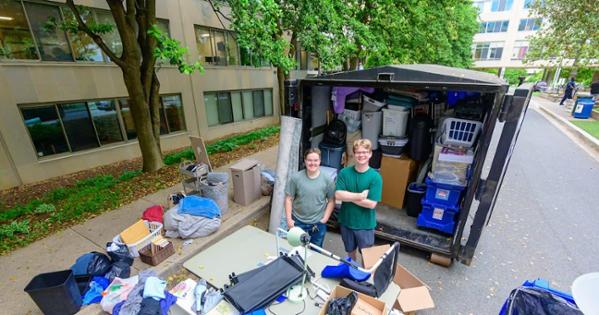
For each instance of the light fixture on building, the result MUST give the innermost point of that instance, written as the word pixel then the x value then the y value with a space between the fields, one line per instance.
pixel 6 18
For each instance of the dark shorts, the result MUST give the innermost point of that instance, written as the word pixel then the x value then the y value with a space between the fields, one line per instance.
pixel 353 239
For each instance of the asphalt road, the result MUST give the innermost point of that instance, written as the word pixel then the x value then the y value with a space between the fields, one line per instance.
pixel 544 225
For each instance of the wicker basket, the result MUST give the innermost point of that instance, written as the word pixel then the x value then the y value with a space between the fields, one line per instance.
pixel 145 254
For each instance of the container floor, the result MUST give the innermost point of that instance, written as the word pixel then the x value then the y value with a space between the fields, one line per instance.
pixel 395 224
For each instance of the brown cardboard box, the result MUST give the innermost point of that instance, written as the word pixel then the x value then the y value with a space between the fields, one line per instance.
pixel 349 147
pixel 372 254
pixel 397 174
pixel 368 303
pixel 246 181
pixel 414 294
pixel 135 232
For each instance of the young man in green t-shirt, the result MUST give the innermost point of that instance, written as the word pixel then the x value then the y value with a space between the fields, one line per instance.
pixel 359 188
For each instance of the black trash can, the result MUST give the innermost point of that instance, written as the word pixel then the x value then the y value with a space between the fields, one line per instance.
pixel 375 160
pixel 55 293
pixel 420 141
pixel 414 197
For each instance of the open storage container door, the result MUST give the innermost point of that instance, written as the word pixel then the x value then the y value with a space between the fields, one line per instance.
pixel 491 89
pixel 513 111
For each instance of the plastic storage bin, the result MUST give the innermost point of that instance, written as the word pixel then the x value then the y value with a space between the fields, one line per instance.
pixel 461 132
pixel 395 122
pixel 55 293
pixel 155 229
pixel 437 217
pixel 392 146
pixel 583 108
pixel 371 105
pixel 414 197
pixel 331 155
pixel 372 123
pixel 444 194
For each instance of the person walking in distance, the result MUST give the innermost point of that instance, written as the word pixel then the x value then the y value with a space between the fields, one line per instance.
pixel 569 91
pixel 359 188
pixel 309 199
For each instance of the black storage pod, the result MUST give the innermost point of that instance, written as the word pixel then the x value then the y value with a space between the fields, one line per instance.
pixel 420 138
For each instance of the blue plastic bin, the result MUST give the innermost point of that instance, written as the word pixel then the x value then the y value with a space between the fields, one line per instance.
pixel 583 108
pixel 331 155
pixel 437 217
pixel 445 194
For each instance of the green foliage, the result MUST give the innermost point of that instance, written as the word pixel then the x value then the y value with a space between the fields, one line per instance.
pixel 44 208
pixel 100 181
pixel 569 32
pixel 171 50
pixel 9 230
pixel 584 75
pixel 128 175
pixel 225 145
pixel 57 194
pixel 511 75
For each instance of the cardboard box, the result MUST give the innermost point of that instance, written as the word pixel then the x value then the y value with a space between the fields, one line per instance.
pixel 397 174
pixel 135 232
pixel 349 147
pixel 246 181
pixel 367 303
pixel 414 294
pixel 372 254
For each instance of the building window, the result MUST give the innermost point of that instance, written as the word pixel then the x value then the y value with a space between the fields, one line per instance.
pixel 529 25
pixel 84 47
pixel 488 50
pixel 217 47
pixel 528 3
pixel 77 126
pixel 480 5
pixel 227 107
pixel 494 26
pixel 501 5
pixel 520 49
pixel 45 130
pixel 16 41
pixel 112 39
pixel 52 41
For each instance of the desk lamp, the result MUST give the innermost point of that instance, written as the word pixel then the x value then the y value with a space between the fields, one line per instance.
pixel 297 237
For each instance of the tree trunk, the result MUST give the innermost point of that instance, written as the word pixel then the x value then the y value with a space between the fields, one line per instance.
pixel 150 148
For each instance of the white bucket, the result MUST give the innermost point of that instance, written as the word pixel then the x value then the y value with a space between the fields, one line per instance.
pixel 584 292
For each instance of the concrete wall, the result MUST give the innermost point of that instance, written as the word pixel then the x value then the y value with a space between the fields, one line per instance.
pixel 39 82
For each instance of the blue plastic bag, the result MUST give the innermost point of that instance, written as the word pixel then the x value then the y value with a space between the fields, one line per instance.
pixel 199 206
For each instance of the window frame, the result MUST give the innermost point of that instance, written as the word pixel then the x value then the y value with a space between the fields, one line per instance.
pixel 242 100
pixel 122 128
pixel 519 44
pixel 491 49
pixel 227 34
pixel 507 5
pixel 534 23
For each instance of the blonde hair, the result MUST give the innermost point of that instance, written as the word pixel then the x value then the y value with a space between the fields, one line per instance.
pixel 364 143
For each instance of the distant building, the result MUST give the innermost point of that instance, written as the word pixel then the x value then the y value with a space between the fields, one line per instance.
pixel 502 38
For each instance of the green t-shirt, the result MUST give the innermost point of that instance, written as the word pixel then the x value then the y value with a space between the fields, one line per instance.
pixel 310 195
pixel 351 215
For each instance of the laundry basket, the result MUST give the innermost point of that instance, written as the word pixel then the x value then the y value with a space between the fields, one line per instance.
pixel 460 132
pixel 155 230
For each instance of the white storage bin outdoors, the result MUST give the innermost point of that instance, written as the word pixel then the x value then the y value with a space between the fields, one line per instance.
pixel 395 122
pixel 155 230
pixel 460 132
pixel 371 105
pixel 372 123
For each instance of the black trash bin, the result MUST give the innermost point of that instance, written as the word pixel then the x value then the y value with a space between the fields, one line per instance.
pixel 55 293
pixel 414 197
pixel 420 142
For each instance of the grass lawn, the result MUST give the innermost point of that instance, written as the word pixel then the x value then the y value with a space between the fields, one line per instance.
pixel 591 126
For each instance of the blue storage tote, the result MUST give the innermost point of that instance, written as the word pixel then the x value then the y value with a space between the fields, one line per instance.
pixel 438 217
pixel 445 194
pixel 331 155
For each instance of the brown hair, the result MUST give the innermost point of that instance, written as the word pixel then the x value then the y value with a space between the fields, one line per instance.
pixel 310 151
pixel 365 143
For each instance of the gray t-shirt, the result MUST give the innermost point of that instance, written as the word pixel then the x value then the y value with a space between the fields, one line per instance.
pixel 310 195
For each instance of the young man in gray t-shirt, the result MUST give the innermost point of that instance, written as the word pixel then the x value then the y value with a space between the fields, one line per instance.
pixel 309 199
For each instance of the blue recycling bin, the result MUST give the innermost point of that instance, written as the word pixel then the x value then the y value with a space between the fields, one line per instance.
pixel 583 108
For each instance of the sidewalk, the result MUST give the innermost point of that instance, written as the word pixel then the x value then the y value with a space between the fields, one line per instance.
pixel 59 251
pixel 561 116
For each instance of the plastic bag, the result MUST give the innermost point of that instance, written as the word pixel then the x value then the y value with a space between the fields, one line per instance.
pixel 343 305
pixel 538 301
pixel 119 269
pixel 119 252
pixel 99 265
pixel 117 291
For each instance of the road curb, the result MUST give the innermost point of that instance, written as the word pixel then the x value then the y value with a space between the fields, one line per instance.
pixel 580 134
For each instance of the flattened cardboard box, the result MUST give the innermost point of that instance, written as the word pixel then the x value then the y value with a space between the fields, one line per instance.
pixel 375 304
pixel 414 294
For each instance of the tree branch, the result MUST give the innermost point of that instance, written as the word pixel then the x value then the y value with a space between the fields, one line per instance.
pixel 127 34
pixel 95 37
pixel 218 12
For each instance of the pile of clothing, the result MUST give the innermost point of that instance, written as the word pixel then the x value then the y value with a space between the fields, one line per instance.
pixel 192 217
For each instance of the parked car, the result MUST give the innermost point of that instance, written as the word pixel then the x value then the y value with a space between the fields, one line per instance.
pixel 540 86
